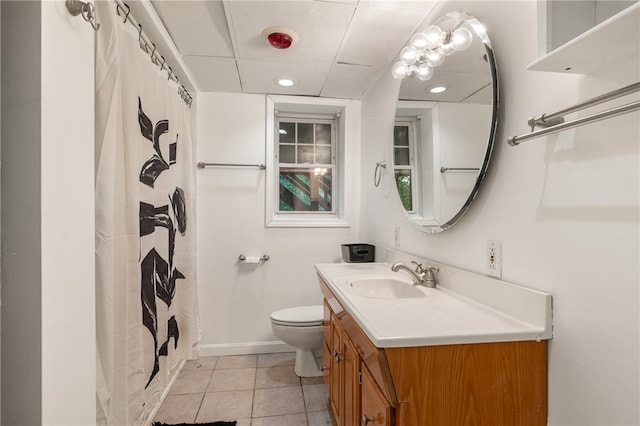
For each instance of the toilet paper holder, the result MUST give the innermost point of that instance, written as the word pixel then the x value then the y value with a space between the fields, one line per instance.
pixel 250 259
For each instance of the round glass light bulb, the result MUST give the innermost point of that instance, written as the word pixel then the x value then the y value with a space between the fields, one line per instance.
pixel 399 70
pixel 447 49
pixel 408 55
pixel 419 41
pixel 433 36
pixel 434 58
pixel 461 38
pixel 424 72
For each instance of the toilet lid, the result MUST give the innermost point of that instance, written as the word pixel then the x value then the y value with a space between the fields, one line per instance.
pixel 300 316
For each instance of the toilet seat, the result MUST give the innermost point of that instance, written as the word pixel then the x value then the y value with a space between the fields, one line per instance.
pixel 301 316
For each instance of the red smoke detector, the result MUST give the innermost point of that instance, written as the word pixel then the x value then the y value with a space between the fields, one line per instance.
pixel 280 40
pixel 280 37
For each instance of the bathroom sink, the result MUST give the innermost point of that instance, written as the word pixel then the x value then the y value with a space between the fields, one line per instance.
pixel 383 288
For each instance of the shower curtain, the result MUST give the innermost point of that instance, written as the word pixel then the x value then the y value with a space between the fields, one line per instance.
pixel 146 301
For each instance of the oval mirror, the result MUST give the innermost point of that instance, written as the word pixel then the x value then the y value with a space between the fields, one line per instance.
pixel 446 120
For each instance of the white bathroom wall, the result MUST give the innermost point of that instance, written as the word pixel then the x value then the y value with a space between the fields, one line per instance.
pixel 48 315
pixel 67 216
pixel 236 299
pixel 565 207
pixel 465 148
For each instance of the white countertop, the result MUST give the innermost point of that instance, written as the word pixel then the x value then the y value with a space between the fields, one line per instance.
pixel 464 308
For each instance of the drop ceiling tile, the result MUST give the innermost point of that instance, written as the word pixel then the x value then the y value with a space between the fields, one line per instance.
pixel 420 5
pixel 196 27
pixel 460 85
pixel 214 74
pixel 258 77
pixel 349 81
pixel 320 27
pixel 377 34
pixel 482 96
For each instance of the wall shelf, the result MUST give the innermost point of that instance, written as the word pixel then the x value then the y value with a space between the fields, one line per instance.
pixel 612 40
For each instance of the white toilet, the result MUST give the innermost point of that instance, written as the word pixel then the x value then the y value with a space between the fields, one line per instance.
pixel 301 327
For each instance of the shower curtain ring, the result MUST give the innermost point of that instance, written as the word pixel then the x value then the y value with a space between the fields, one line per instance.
pixel 140 33
pixel 77 7
pixel 153 52
pixel 170 72
pixel 162 64
pixel 126 16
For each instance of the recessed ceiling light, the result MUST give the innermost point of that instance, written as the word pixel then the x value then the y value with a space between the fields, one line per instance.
pixel 285 81
pixel 438 89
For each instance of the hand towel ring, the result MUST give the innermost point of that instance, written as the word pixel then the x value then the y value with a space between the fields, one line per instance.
pixel 377 174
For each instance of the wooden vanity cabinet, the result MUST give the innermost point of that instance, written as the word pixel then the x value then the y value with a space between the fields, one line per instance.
pixel 336 371
pixel 348 379
pixel 480 384
pixel 344 375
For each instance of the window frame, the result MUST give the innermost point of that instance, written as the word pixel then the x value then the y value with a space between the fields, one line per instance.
pixel 412 125
pixel 345 147
pixel 298 118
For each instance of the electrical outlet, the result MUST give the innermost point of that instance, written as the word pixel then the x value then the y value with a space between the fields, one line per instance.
pixel 494 258
pixel 396 237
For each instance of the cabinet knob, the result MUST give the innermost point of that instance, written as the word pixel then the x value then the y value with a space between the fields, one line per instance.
pixel 324 368
pixel 337 356
pixel 366 420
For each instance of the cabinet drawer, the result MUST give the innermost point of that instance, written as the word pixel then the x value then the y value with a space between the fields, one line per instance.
pixel 373 357
pixel 376 410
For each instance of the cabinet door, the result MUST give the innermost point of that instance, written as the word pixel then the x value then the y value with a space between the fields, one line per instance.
pixel 326 323
pixel 376 410
pixel 351 365
pixel 326 343
pixel 336 372
pixel 326 363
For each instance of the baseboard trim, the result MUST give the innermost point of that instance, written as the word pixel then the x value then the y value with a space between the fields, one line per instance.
pixel 249 348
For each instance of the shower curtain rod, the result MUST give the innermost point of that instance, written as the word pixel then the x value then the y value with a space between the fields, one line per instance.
pixel 146 44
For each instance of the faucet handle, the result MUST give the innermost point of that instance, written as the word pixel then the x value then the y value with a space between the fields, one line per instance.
pixel 429 272
pixel 419 268
pixel 430 277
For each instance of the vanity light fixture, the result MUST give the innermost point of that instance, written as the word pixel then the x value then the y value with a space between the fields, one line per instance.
pixel 428 49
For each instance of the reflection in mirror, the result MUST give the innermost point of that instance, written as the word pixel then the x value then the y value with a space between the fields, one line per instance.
pixel 446 119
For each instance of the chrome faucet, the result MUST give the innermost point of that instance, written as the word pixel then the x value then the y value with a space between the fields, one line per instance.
pixel 421 276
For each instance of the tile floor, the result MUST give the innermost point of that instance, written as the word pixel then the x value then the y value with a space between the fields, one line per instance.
pixel 255 390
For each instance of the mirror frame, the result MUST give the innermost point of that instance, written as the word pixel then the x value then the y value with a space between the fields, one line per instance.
pixel 479 31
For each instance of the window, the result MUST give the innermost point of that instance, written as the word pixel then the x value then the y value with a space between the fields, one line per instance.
pixel 309 141
pixel 305 161
pixel 404 137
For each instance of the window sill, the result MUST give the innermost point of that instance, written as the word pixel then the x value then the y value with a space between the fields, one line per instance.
pixel 306 222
